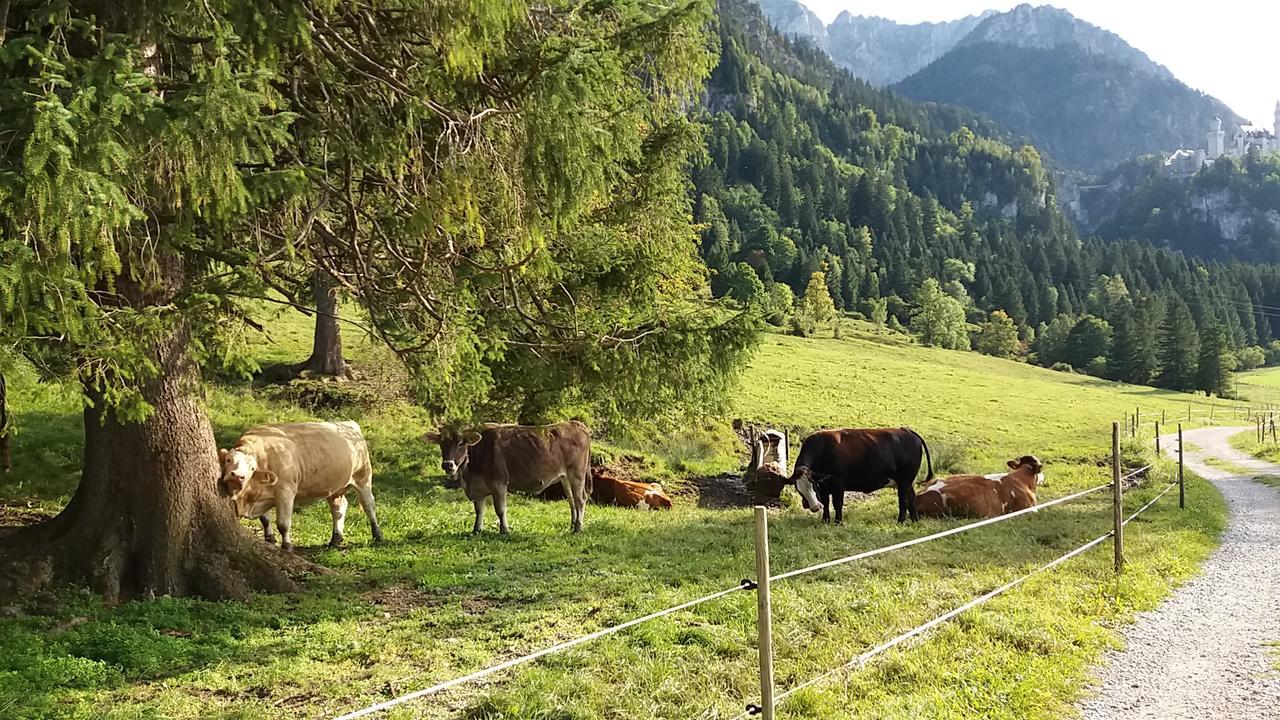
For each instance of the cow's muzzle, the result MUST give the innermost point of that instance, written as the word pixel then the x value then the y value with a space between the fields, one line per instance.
pixel 450 467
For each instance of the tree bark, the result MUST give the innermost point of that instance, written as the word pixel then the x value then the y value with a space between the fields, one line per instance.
pixel 148 517
pixel 5 465
pixel 326 350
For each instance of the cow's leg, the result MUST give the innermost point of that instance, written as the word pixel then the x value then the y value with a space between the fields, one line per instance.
pixel 500 507
pixel 365 492
pixel 837 498
pixel 826 506
pixel 906 500
pixel 479 523
pixel 338 509
pixel 578 500
pixel 267 533
pixel 284 521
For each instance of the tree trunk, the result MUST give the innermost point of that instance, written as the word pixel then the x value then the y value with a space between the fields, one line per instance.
pixel 148 517
pixel 326 351
pixel 5 465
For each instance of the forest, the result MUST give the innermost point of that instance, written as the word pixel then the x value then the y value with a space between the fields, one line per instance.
pixel 918 219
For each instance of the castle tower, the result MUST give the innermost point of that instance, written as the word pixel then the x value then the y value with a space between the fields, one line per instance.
pixel 1278 119
pixel 1218 139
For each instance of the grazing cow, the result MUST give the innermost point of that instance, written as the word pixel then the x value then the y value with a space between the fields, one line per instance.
pixel 493 459
pixel 984 496
pixel 294 464
pixel 833 462
pixel 609 490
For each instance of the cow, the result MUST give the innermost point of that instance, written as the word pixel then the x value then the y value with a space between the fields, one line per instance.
pixel 494 458
pixel 295 464
pixel 833 462
pixel 608 490
pixel 984 496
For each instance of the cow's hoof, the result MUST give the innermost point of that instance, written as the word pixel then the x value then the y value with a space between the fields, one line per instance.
pixel 270 541
pixel 287 547
pixel 377 537
pixel 335 541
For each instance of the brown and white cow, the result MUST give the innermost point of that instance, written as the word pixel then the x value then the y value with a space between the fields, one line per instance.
pixel 608 490
pixel 984 496
pixel 295 464
pixel 493 459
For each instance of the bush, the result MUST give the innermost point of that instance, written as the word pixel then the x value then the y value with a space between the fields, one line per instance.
pixel 1097 367
pixel 949 456
pixel 1062 367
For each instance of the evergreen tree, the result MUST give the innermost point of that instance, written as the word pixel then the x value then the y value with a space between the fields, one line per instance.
pixel 1179 348
pixel 1134 349
pixel 1216 362
pixel 815 309
pixel 998 336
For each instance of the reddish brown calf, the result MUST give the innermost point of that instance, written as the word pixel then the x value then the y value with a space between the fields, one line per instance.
pixel 984 496
pixel 609 490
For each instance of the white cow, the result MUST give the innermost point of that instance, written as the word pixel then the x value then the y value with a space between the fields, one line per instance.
pixel 294 464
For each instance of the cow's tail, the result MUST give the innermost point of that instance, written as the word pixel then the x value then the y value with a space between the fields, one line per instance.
pixel 927 458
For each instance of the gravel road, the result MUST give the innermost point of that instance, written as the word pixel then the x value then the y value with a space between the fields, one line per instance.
pixel 1203 654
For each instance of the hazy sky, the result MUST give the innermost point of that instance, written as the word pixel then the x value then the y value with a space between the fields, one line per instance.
pixel 1229 49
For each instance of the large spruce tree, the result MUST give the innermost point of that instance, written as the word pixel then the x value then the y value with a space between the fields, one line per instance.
pixel 499 185
pixel 1179 347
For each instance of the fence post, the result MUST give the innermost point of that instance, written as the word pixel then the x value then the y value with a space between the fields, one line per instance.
pixel 1182 485
pixel 1188 412
pixel 1157 439
pixel 1117 497
pixel 1162 416
pixel 764 613
pixel 1137 418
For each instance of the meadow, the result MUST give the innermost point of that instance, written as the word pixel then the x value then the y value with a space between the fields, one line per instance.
pixel 434 603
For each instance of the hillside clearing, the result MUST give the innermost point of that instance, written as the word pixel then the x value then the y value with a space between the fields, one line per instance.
pixel 434 603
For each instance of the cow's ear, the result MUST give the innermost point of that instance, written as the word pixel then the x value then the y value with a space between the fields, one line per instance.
pixel 431 437
pixel 1013 464
pixel 266 477
pixel 222 455
pixel 471 437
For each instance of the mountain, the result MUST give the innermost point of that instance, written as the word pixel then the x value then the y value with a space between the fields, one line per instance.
pixel 811 169
pixel 1082 94
pixel 796 20
pixel 883 52
pixel 1229 210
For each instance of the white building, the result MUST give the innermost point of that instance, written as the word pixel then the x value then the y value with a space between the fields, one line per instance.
pixel 1244 138
pixel 1184 163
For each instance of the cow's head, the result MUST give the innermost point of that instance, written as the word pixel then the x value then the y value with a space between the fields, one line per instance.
pixel 238 466
pixel 1032 465
pixel 258 495
pixel 454 446
pixel 807 486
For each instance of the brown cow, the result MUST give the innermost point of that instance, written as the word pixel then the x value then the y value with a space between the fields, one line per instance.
pixel 984 496
pixel 492 459
pixel 609 490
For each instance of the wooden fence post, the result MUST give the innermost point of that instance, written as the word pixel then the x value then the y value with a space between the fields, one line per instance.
pixel 1157 439
pixel 764 613
pixel 1162 416
pixel 1137 418
pixel 1182 485
pixel 1117 497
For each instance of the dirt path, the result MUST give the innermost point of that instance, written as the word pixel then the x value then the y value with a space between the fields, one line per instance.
pixel 1203 653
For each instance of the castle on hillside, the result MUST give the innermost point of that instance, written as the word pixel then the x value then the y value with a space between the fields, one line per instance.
pixel 1185 163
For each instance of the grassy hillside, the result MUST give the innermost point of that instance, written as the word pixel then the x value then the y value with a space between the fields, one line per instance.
pixel 433 602
pixel 1261 386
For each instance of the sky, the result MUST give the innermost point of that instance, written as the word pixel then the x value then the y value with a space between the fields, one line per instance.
pixel 1232 54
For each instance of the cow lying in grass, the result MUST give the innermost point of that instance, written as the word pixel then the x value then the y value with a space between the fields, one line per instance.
pixel 984 496
pixel 609 490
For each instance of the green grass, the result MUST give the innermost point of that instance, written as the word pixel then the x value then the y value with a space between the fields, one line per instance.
pixel 1261 386
pixel 434 603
